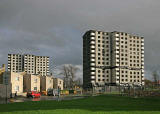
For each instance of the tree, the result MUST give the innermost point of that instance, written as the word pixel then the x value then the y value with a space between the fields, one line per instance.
pixel 69 73
pixel 155 77
pixel 65 72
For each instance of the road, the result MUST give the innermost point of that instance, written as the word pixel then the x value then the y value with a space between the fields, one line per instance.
pixel 42 98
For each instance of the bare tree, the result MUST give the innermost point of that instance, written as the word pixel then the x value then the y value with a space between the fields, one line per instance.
pixel 72 70
pixel 65 72
pixel 155 77
pixel 69 73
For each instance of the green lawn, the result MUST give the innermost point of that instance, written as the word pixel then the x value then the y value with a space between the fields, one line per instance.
pixel 104 104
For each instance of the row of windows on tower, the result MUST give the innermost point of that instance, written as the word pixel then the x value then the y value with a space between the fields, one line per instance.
pixel 124 80
pixel 103 80
pixel 99 41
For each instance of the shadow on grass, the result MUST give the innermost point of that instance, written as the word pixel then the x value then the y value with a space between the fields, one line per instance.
pixel 98 103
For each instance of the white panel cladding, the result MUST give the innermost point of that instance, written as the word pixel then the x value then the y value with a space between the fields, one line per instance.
pixel 92 33
pixel 117 39
pixel 117 47
pixel 143 70
pixel 142 40
pixel 92 68
pixel 117 43
pixel 142 55
pixel 116 35
pixel 92 55
pixel 92 59
pixel 92 51
pixel 92 81
pixel 92 77
pixel 117 81
pixel 92 42
pixel 117 73
pixel 143 67
pixel 142 74
pixel 117 77
pixel 142 63
pixel 117 60
pixel 142 43
pixel 92 47
pixel 142 48
pixel 92 64
pixel 117 51
pixel 143 51
pixel 142 78
pixel 92 38
pixel 117 64
pixel 142 83
pixel 117 55
pixel 92 73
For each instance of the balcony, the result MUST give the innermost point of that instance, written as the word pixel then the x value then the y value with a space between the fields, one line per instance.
pixel 116 35
pixel 117 43
pixel 92 42
pixel 92 55
pixel 117 73
pixel 117 51
pixel 117 47
pixel 92 33
pixel 92 77
pixel 117 39
pixel 92 51
pixel 92 38
pixel 92 59
pixel 92 73
pixel 92 64
pixel 92 68
pixel 93 47
pixel 92 81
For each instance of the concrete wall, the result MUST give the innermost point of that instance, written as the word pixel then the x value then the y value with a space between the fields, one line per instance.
pixel 57 82
pixel 3 90
pixel 46 83
pixel 2 70
pixel 31 82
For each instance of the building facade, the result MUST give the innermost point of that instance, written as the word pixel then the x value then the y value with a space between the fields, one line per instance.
pixel 46 82
pixel 114 58
pixel 15 80
pixel 31 83
pixel 31 64
pixel 2 70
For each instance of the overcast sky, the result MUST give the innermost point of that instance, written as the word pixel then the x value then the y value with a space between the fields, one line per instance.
pixel 55 27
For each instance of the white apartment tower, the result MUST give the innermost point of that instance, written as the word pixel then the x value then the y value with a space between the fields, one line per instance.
pixel 112 58
pixel 31 64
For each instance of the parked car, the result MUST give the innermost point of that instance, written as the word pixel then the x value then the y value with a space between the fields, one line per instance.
pixel 53 92
pixel 33 94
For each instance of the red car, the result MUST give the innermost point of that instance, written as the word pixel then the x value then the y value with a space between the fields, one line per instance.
pixel 33 94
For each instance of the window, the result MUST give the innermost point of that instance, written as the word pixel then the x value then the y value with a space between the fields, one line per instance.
pixel 35 80
pixel 35 88
pixel 16 88
pixel 17 78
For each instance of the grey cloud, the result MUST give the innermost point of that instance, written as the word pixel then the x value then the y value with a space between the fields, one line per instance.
pixel 55 27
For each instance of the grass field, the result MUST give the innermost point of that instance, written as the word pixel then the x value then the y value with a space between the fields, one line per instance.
pixel 104 104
